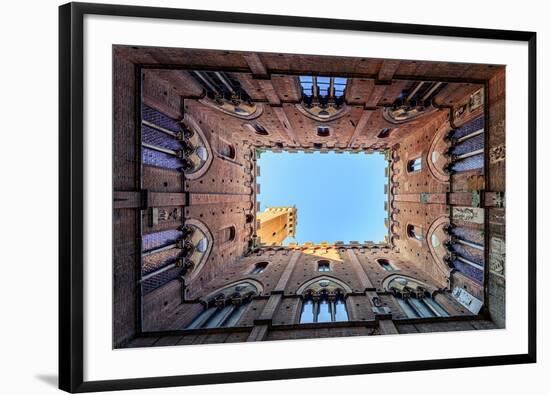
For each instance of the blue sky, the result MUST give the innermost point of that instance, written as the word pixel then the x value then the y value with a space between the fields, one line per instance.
pixel 338 196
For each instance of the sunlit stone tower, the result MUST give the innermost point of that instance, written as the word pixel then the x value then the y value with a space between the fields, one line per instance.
pixel 276 224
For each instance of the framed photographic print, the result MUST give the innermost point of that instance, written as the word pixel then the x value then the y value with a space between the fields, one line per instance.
pixel 259 197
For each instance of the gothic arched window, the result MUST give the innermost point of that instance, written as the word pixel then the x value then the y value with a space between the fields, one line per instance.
pixel 467 149
pixel 260 130
pixel 324 308
pixel 225 93
pixel 323 266
pixel 414 165
pixel 227 150
pixel 383 133
pixel 219 316
pixel 323 131
pixel 173 144
pixel 414 300
pixel 385 264
pixel 322 97
pixel 225 307
pixel 324 301
pixel 227 234
pixel 415 232
pixel 413 102
pixel 170 254
pixel 259 267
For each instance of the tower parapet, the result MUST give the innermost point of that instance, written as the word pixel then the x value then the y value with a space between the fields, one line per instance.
pixel 276 224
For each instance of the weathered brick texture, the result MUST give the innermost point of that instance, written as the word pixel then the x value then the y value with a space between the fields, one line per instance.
pixel 224 197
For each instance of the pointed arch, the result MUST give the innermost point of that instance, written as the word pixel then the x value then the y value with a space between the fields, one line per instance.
pixel 414 297
pixel 252 285
pixel 334 282
pixel 436 159
pixel 226 306
pixel 242 110
pixel 435 238
pixel 323 300
pixel 205 250
pixel 388 279
pixel 199 137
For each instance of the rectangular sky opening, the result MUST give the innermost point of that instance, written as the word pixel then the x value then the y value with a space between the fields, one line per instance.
pixel 338 196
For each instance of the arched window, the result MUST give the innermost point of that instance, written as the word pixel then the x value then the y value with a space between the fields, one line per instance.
pixel 323 97
pixel 202 153
pixel 225 94
pixel 259 129
pixel 173 144
pixel 414 165
pixel 323 131
pixel 340 311
pixel 307 312
pixel 323 266
pixel 383 133
pixel 170 254
pixel 259 267
pixel 323 86
pixel 226 307
pixel 227 234
pixel 385 264
pixel 415 232
pixel 231 235
pixel 202 245
pixel 306 83
pixel 422 307
pixel 219 316
pixel 413 102
pixel 227 150
pixel 324 308
pixel 414 300
pixel 467 149
pixel 324 301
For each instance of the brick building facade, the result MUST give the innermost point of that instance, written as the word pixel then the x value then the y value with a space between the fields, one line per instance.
pixel 188 265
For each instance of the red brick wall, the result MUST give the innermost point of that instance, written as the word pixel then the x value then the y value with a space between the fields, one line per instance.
pixel 225 193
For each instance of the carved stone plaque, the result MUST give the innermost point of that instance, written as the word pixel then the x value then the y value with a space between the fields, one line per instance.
pixel 158 215
pixel 476 100
pixel 468 214
pixel 467 300
pixel 497 154
pixel 497 255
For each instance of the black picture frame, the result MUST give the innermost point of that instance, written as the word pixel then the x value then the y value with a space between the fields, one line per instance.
pixel 71 204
